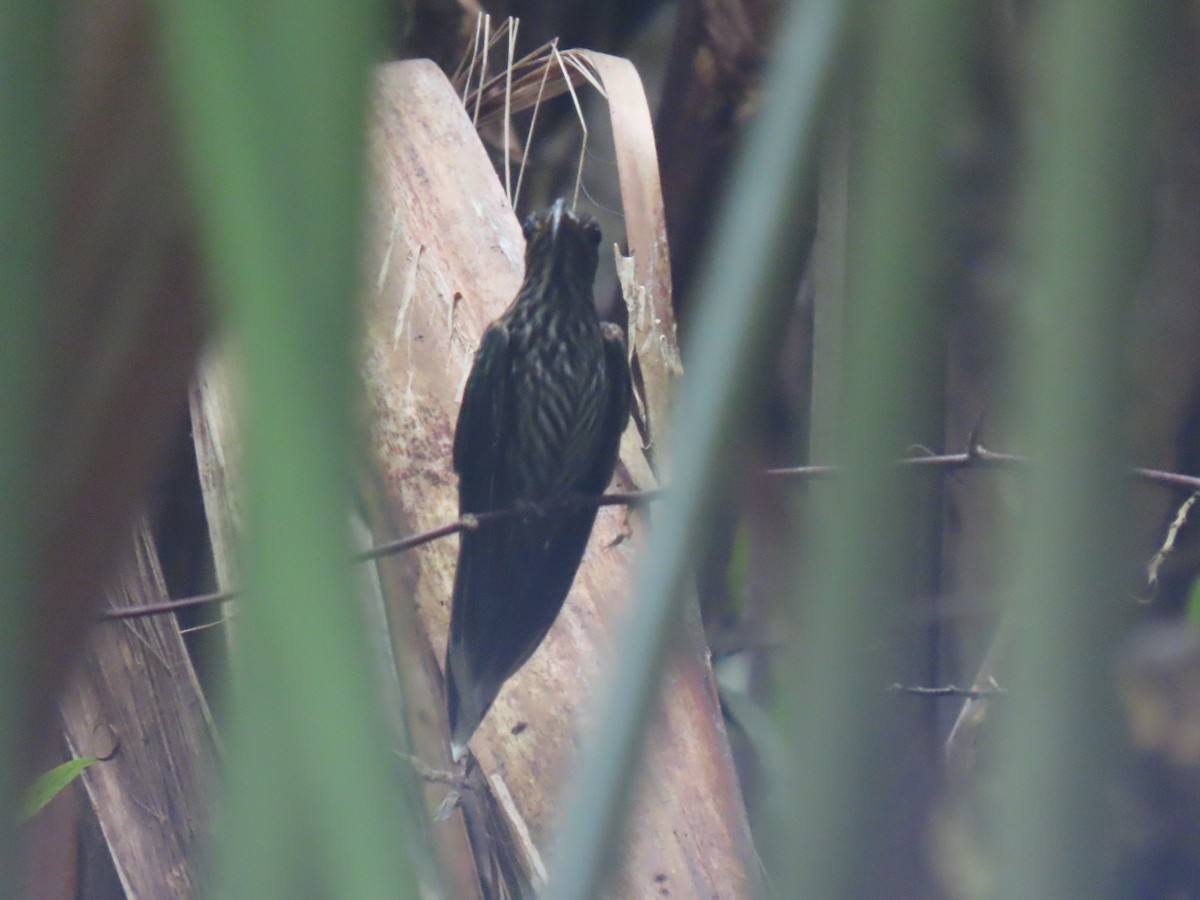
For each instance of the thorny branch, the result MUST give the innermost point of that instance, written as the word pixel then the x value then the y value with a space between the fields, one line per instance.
pixel 978 457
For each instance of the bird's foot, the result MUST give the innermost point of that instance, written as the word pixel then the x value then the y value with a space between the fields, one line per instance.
pixel 457 779
pixel 431 775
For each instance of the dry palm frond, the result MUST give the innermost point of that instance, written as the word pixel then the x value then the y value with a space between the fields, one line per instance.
pixel 435 172
pixel 523 83
pixel 432 167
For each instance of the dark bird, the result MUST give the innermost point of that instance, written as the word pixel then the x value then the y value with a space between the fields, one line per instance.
pixel 541 419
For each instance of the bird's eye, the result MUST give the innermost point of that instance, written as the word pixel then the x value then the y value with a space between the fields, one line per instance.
pixel 593 231
pixel 528 227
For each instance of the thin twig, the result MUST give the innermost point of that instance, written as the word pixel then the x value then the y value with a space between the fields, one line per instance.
pixel 170 606
pixel 976 458
pixel 532 122
pixel 582 124
pixel 474 55
pixel 947 691
pixel 1167 479
pixel 487 30
pixel 399 545
pixel 513 24
pixel 472 522
pixel 1168 545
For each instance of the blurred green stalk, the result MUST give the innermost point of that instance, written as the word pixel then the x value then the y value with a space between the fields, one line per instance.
pixel 28 111
pixel 746 293
pixel 1086 208
pixel 273 101
pixel 865 557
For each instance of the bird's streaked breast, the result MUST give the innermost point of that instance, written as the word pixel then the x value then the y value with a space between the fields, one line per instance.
pixel 559 407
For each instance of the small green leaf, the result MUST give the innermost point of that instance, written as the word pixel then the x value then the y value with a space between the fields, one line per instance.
pixel 48 785
pixel 1193 603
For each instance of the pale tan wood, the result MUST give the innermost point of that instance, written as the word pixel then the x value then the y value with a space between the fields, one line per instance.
pixel 450 257
pixel 646 284
pixel 214 405
pixel 135 701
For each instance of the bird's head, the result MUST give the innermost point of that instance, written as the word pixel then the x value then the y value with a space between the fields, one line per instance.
pixel 562 243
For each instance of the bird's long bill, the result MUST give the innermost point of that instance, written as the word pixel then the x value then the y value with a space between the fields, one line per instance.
pixel 556 215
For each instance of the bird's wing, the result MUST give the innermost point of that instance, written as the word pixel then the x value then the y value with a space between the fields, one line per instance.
pixel 484 414
pixel 480 419
pixel 616 415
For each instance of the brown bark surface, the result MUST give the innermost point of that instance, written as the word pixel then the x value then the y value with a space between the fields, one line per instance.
pixel 136 704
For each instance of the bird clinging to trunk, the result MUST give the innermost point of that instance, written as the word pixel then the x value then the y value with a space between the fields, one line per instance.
pixel 541 419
